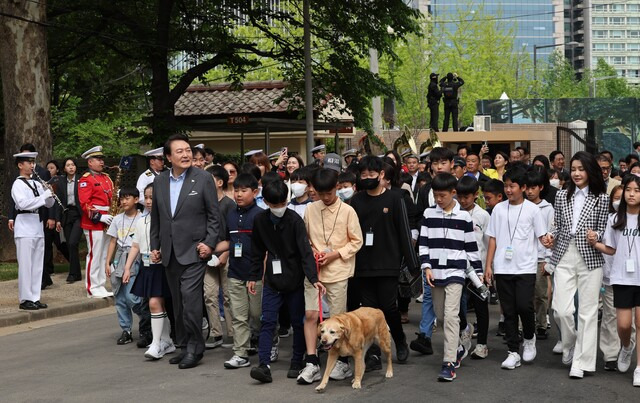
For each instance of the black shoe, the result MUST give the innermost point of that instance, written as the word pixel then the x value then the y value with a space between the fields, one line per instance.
pixel 40 305
pixel 125 338
pixel 46 284
pixel 176 360
pixel 474 335
pixel 294 370
pixel 29 306
pixel 145 340
pixel 284 333
pixel 402 352
pixel 72 279
pixel 262 373
pixel 501 331
pixel 372 363
pixel 253 349
pixel 541 334
pixel 422 344
pixel 611 366
pixel 190 360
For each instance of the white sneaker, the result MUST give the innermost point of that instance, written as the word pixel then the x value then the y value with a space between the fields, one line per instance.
pixel 309 374
pixel 636 377
pixel 529 349
pixel 236 362
pixel 167 346
pixel 480 352
pixel 154 352
pixel 557 349
pixel 567 358
pixel 624 359
pixel 465 337
pixel 419 299
pixel 341 371
pixel 512 361
pixel 274 354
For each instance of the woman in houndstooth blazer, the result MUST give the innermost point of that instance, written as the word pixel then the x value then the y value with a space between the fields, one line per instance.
pixel 578 266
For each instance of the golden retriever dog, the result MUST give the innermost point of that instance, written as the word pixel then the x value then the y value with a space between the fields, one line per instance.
pixel 351 334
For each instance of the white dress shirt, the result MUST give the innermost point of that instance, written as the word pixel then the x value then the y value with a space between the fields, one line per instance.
pixel 579 197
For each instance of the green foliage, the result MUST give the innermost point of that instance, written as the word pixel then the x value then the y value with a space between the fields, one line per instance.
pixel 609 87
pixel 559 79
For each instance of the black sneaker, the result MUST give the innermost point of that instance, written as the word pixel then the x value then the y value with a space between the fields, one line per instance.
pixel 422 344
pixel 611 365
pixel 294 370
pixel 402 352
pixel 372 363
pixel 261 373
pixel 125 338
pixel 253 349
pixel 501 331
pixel 541 334
pixel 145 340
pixel 474 335
pixel 284 333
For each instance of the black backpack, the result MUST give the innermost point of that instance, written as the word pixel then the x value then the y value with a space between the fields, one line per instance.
pixel 448 91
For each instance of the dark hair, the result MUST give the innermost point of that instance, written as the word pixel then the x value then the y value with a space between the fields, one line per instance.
pixel 444 181
pixel 393 174
pixel 608 153
pixel 467 185
pixel 208 150
pixel 220 173
pixel 325 180
pixel 166 149
pixel 564 177
pixel 65 164
pixel 128 191
pixel 270 177
pixel 504 156
pixel 28 147
pixel 537 176
pixel 441 154
pixel 543 159
pixel 249 168
pixel 516 175
pixel 245 180
pixel 523 150
pixel 405 178
pixel 261 159
pixel 620 221
pixel 424 177
pixel 636 144
pixel 463 147
pixel 275 191
pixel 551 172
pixel 487 157
pixel 603 158
pixel 553 154
pixel 197 150
pixel 471 152
pixel 370 163
pixel 613 191
pixel 302 174
pixel 395 154
pixel 594 174
pixel 149 186
pixel 622 160
pixel 495 187
pixel 347 177
pixel 631 156
pixel 56 164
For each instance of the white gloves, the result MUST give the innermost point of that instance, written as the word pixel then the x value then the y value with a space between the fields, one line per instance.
pixel 106 219
pixel 214 261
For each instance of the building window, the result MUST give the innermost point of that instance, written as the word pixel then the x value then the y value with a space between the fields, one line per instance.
pixel 633 46
pixel 620 73
pixel 633 8
pixel 600 34
pixel 633 34
pixel 616 20
pixel 617 46
pixel 633 73
pixel 616 34
pixel 600 7
pixel 633 20
pixel 600 47
pixel 599 21
pixel 633 59
pixel 617 60
pixel 616 8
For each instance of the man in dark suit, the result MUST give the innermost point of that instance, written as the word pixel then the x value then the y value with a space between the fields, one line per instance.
pixel 473 168
pixel 184 231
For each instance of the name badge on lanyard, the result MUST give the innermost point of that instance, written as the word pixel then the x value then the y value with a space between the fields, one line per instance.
pixel 277 266
pixel 442 259
pixel 237 249
pixel 368 239
pixel 508 253
pixel 630 266
pixel 146 259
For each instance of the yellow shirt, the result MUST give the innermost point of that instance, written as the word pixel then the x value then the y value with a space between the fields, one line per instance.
pixel 491 173
pixel 335 227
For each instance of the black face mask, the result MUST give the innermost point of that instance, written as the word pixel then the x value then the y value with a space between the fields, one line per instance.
pixel 369 183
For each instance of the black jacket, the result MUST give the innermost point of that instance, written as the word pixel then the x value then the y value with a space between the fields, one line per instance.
pixel 450 90
pixel 284 239
pixel 434 94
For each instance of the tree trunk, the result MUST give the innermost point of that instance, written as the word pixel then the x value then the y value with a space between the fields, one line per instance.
pixel 25 89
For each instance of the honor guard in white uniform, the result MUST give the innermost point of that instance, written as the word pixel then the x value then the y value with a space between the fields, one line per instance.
pixel 318 153
pixel 30 198
pixel 156 165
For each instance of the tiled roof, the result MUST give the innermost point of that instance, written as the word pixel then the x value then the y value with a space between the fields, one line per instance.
pixel 220 99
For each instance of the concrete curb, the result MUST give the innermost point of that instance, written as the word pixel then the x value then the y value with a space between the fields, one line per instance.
pixel 21 317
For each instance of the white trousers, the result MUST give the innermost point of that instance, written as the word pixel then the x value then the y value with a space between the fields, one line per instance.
pixel 571 276
pixel 30 253
pixel 95 277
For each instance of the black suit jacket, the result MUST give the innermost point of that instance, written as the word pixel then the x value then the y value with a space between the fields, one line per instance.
pixel 61 191
pixel 196 218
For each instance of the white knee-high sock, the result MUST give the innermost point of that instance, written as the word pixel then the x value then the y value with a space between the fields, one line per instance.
pixel 157 324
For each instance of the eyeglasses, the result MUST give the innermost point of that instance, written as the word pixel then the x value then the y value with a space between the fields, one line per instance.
pixel 606 169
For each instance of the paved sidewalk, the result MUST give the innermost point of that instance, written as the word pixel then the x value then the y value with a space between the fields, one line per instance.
pixel 62 298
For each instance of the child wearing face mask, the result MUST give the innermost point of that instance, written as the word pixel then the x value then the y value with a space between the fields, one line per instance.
pixel 300 179
pixel 346 186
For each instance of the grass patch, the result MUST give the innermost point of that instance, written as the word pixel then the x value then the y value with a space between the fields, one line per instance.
pixel 9 271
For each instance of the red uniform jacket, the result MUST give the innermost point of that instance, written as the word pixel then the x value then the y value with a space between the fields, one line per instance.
pixel 94 194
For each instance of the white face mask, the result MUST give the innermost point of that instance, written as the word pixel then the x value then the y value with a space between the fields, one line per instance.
pixel 345 194
pixel 555 183
pixel 278 211
pixel 616 204
pixel 298 189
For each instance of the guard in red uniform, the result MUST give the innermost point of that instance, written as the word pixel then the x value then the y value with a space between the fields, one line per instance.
pixel 94 193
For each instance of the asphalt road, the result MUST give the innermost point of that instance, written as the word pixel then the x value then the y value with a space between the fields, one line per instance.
pixel 76 359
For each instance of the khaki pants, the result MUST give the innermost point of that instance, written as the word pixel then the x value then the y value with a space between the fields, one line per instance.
pixel 214 278
pixel 336 297
pixel 571 276
pixel 245 309
pixel 446 304
pixel 541 298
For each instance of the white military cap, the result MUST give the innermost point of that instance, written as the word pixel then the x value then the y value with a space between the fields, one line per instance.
pixel 26 154
pixel 252 152
pixel 352 152
pixel 93 152
pixel 157 152
pixel 201 145
pixel 275 155
pixel 319 148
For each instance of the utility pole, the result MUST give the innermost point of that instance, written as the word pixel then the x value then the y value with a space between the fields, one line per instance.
pixel 308 85
pixel 376 108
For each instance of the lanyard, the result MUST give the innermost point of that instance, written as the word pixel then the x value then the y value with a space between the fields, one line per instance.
pixel 146 232
pixel 124 216
pixel 445 229
pixel 630 245
pixel 511 236
pixel 326 239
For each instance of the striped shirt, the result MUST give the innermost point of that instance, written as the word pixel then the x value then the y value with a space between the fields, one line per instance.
pixel 451 235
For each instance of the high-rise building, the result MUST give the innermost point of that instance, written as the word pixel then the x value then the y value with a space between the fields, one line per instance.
pixel 536 22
